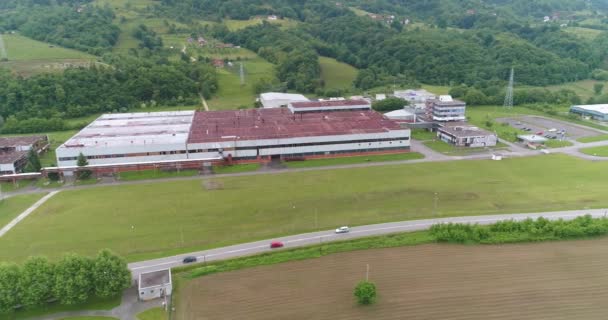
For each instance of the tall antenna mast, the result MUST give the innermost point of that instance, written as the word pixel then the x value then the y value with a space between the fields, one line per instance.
pixel 509 97
pixel 242 75
pixel 3 55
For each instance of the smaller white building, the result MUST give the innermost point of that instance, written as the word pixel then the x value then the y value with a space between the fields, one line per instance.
pixel 380 97
pixel 401 115
pixel 416 98
pixel 156 284
pixel 279 99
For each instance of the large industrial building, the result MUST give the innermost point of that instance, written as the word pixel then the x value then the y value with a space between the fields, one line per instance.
pixel 593 111
pixel 445 109
pixel 303 130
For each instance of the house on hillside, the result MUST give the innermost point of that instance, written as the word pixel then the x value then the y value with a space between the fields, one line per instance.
pixel 218 63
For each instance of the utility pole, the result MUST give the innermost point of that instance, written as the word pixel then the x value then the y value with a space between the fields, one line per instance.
pixel 367 274
pixel 509 96
pixel 435 204
pixel 242 72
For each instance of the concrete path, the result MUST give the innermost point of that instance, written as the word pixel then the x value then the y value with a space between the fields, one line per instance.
pixel 26 213
pixel 356 232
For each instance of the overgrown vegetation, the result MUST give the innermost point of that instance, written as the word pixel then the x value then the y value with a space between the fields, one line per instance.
pixel 365 292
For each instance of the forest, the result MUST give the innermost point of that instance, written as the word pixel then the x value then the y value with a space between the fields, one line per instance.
pixel 128 82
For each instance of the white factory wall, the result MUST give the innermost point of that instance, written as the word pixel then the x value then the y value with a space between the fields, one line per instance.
pixel 7 167
pixel 101 151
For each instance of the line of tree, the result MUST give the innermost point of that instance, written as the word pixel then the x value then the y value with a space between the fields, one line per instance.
pixel 510 231
pixel 42 102
pixel 72 280
pixel 493 93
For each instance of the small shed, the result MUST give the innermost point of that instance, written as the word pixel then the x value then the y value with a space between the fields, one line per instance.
pixel 156 284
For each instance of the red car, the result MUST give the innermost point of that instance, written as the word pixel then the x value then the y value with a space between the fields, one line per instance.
pixel 540 133
pixel 276 244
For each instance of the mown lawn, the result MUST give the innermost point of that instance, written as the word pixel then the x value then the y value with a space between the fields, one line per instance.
pixel 13 206
pixel 155 174
pixel 451 150
pixel 596 151
pixel 236 168
pixel 158 219
pixel 353 160
pixel 337 75
pixel 92 304
pixel 153 314
pixel 602 137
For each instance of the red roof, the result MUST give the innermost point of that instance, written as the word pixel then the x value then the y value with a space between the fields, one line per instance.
pixel 254 124
pixel 337 103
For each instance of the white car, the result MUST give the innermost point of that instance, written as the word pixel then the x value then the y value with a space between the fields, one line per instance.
pixel 342 230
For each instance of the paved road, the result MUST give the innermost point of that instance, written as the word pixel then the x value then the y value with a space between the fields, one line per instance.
pixel 356 232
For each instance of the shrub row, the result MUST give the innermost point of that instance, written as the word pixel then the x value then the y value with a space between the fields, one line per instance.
pixel 507 231
pixel 72 280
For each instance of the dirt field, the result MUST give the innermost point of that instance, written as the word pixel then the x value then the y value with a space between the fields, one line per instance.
pixel 558 280
pixel 543 124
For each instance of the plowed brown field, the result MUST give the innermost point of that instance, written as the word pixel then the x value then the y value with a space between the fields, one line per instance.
pixel 556 280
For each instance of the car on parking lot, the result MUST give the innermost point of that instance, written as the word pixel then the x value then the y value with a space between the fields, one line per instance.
pixel 540 133
pixel 189 259
pixel 527 129
pixel 344 229
pixel 276 244
pixel 552 130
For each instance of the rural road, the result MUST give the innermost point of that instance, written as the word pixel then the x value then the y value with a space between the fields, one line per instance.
pixel 355 232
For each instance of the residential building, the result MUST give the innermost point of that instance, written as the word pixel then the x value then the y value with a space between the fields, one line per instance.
pixel 445 109
pixel 13 152
pixel 594 111
pixel 156 284
pixel 279 99
pixel 462 134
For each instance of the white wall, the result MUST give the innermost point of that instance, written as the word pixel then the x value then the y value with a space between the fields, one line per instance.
pixel 7 167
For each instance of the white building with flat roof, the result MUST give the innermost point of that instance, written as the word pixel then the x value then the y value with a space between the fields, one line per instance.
pixel 156 284
pixel 129 138
pixel 279 99
pixel 595 111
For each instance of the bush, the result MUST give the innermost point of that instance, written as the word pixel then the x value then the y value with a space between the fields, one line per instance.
pixel 365 292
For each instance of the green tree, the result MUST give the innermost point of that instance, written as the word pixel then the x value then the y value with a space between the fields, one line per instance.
pixel 598 88
pixel 111 274
pixel 9 287
pixel 365 292
pixel 33 161
pixel 82 161
pixel 37 282
pixel 389 104
pixel 475 97
pixel 73 279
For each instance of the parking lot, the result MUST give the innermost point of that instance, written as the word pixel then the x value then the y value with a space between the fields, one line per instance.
pixel 549 127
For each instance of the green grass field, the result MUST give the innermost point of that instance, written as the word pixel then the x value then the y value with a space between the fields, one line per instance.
pixel 423 135
pixel 155 174
pixel 596 151
pixel 27 56
pixel 558 143
pixel 13 206
pixel 88 318
pixel 450 150
pixel 248 167
pixel 92 304
pixel 231 95
pixel 585 33
pixel 583 88
pixel 153 314
pixel 234 25
pixel 602 137
pixel 159 219
pixel 353 160
pixel 337 75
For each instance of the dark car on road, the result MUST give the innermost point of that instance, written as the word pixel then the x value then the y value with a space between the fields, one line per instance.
pixel 189 259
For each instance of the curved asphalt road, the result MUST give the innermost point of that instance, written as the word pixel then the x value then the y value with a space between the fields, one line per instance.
pixel 355 232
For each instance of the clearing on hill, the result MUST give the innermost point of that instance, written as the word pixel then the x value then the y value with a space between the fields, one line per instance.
pixel 337 75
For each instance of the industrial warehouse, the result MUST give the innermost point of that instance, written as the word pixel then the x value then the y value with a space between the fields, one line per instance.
pixel 302 130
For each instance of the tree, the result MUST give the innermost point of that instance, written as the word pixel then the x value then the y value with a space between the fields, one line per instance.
pixel 33 162
pixel 389 104
pixel 37 282
pixel 9 287
pixel 82 161
pixel 598 88
pixel 110 274
pixel 365 292
pixel 73 279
